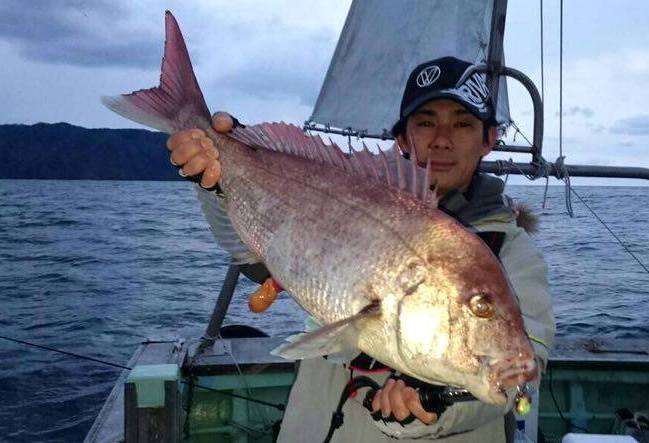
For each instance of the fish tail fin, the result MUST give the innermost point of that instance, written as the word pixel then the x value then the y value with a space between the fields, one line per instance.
pixel 177 102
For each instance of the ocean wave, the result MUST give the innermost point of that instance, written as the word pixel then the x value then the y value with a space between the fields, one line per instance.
pixel 97 275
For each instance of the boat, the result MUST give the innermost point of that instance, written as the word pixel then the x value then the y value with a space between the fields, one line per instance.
pixel 586 384
pixel 225 386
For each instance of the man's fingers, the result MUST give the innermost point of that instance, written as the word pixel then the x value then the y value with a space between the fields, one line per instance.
pixel 208 147
pixel 194 151
pixel 386 407
pixel 222 122
pixel 185 153
pixel 196 165
pixel 412 402
pixel 400 400
pixel 181 137
pixel 399 408
pixel 211 175
pixel 376 401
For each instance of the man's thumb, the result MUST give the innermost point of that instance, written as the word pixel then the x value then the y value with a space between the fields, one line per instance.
pixel 222 122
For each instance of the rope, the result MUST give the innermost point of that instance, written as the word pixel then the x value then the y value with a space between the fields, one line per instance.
pixel 561 81
pixel 561 172
pixel 611 231
pixel 116 365
pixel 277 406
pixel 505 167
pixel 545 191
pixel 542 50
pixel 518 131
pixel 544 169
pixel 72 354
pixel 267 421
pixel 569 423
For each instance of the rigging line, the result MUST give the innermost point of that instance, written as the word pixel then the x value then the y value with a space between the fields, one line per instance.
pixel 611 231
pixel 561 80
pixel 568 188
pixel 187 407
pixel 72 354
pixel 278 406
pixel 115 365
pixel 569 423
pixel 545 191
pixel 518 131
pixel 542 50
pixel 268 422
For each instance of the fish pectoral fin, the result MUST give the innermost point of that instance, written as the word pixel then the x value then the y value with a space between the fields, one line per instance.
pixel 329 339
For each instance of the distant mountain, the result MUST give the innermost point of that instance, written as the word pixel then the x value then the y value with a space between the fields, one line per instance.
pixel 64 151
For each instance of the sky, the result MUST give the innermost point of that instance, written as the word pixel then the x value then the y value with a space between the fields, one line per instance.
pixel 265 61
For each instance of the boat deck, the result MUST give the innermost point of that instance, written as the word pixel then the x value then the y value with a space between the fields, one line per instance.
pixel 109 424
pixel 587 380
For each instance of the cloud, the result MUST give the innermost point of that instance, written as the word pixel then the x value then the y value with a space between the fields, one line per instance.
pixel 609 83
pixel 577 110
pixel 274 53
pixel 80 33
pixel 259 60
pixel 597 128
pixel 638 125
pixel 280 73
pixel 278 58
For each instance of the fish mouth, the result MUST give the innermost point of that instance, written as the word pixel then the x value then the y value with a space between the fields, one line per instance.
pixel 514 371
pixel 503 374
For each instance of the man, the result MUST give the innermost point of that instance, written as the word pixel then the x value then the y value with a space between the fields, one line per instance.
pixel 452 125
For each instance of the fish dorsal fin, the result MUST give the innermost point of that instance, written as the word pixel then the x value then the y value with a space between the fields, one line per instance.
pixel 388 167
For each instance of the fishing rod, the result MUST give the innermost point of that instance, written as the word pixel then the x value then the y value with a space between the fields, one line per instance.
pixel 277 406
pixel 433 398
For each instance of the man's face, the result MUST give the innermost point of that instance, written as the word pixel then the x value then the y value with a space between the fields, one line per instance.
pixel 451 137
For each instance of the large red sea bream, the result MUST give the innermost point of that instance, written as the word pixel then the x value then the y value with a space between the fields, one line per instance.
pixel 359 243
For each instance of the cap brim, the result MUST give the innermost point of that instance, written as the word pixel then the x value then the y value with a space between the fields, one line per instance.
pixel 399 126
pixel 436 95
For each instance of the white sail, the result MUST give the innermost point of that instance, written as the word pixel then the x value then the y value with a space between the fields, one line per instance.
pixel 382 41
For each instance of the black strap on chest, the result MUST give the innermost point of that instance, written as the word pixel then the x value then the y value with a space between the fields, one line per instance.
pixel 493 239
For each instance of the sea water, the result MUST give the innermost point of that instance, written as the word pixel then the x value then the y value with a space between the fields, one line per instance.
pixel 95 267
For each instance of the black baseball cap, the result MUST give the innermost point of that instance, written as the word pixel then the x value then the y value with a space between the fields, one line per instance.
pixel 438 79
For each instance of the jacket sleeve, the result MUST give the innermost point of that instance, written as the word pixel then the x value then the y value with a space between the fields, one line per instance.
pixel 526 270
pixel 527 273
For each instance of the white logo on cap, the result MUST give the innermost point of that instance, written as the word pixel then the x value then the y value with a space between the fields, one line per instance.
pixel 428 76
pixel 474 91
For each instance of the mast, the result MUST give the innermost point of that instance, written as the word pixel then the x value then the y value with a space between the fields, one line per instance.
pixel 495 55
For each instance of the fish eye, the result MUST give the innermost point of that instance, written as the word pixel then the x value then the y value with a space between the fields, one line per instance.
pixel 482 306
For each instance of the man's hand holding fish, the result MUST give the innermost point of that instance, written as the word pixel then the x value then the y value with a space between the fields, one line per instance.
pixel 195 154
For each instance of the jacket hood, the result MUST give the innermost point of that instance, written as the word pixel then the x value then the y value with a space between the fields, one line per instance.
pixel 483 199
